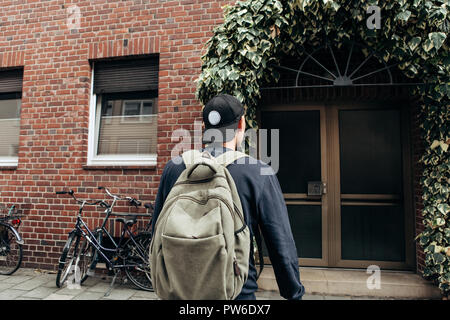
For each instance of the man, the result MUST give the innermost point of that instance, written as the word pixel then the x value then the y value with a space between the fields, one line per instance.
pixel 260 194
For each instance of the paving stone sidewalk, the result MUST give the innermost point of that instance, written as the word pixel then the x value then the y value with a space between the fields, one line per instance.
pixel 32 284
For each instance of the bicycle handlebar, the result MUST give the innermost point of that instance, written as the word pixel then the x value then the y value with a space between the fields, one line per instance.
pixel 149 206
pixel 135 202
pixel 102 203
pixel 132 201
pixel 84 202
pixel 65 192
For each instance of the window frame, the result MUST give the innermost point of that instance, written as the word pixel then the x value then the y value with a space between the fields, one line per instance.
pixel 11 161
pixel 93 159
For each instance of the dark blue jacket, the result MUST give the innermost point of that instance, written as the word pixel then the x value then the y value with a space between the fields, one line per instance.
pixel 263 204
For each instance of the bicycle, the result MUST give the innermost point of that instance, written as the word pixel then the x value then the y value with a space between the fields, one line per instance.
pixel 84 247
pixel 140 274
pixel 10 243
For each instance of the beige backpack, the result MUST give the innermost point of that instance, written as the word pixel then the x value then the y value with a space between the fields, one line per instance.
pixel 201 243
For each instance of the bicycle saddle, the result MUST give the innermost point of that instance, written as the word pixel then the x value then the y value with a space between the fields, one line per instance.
pixel 129 221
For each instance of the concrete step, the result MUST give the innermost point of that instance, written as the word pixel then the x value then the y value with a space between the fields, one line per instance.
pixel 354 283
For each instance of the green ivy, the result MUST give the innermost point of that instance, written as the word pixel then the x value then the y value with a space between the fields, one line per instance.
pixel 243 50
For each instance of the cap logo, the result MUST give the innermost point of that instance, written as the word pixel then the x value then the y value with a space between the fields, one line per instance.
pixel 214 117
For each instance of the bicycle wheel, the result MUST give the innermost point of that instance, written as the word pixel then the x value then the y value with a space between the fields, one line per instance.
pixel 139 274
pixel 68 259
pixel 10 251
pixel 85 259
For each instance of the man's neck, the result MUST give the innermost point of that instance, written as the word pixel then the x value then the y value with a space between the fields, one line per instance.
pixel 230 145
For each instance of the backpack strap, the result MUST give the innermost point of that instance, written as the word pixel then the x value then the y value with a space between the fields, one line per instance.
pixel 225 159
pixel 229 157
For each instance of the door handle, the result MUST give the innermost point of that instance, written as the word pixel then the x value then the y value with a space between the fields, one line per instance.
pixel 316 188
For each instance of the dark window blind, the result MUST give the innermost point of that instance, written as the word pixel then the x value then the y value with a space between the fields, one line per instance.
pixel 11 80
pixel 126 75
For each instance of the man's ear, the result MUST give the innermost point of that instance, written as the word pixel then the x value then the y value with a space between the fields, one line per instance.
pixel 241 124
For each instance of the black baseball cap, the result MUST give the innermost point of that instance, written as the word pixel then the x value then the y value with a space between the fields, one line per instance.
pixel 221 113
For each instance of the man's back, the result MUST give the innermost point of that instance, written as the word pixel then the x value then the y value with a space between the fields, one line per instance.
pixel 263 204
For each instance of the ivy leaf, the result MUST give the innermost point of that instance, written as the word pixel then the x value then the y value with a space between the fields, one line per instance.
pixel 243 52
pixel 403 16
pixel 242 12
pixel 444 209
pixel 427 45
pixel 414 42
pixel 332 4
pixel 442 144
pixel 438 222
pixel 437 38
pixel 424 240
pixel 248 19
pixel 233 76
pixel 438 258
pixel 256 5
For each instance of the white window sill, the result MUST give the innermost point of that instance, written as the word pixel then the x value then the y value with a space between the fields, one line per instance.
pixel 122 161
pixel 9 162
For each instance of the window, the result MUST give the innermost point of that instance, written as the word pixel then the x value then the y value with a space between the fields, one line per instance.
pixel 10 104
pixel 126 125
pixel 123 126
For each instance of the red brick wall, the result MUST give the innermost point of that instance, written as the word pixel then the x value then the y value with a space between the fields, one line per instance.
pixel 55 103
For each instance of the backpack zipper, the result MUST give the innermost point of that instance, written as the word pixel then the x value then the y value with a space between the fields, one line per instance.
pixel 197 181
pixel 234 211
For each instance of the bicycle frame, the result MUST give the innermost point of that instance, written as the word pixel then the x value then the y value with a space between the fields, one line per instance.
pixel 90 237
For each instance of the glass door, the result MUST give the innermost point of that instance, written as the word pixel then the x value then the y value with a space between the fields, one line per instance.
pixel 371 192
pixel 302 176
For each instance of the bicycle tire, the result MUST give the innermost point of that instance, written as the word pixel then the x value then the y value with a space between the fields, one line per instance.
pixel 10 251
pixel 140 274
pixel 85 259
pixel 67 259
